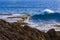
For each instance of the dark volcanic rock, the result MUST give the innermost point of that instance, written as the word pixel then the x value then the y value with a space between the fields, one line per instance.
pixel 58 35
pixel 14 31
pixel 53 34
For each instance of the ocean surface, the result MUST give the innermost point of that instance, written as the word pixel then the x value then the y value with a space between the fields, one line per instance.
pixel 43 15
pixel 43 21
pixel 30 7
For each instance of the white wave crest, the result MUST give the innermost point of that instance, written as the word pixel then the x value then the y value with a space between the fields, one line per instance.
pixel 48 10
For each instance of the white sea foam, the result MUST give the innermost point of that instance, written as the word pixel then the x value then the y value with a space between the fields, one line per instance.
pixel 41 25
pixel 48 10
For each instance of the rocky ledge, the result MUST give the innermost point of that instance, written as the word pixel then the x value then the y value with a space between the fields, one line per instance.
pixel 16 31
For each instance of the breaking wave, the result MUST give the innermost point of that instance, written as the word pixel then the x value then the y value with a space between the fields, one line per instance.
pixel 44 20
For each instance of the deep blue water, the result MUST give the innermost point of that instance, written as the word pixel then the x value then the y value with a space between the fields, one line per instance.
pixel 46 17
pixel 27 6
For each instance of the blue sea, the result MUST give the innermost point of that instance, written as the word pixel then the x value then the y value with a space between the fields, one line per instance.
pixel 44 14
pixel 27 6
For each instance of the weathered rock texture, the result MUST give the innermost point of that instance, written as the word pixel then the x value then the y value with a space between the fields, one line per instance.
pixel 15 31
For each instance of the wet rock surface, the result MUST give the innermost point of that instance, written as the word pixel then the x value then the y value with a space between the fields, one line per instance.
pixel 54 35
pixel 15 31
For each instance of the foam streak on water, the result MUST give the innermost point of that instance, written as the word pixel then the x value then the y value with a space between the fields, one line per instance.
pixel 41 25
